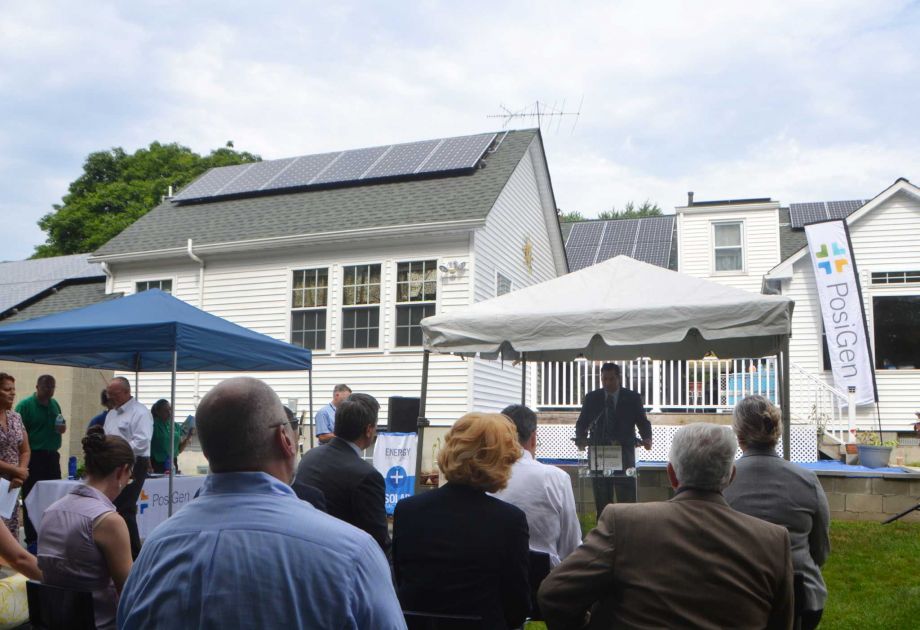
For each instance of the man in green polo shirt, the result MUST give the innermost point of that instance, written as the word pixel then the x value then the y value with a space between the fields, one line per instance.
pixel 41 416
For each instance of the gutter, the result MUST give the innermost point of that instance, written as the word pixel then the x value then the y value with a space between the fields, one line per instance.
pixel 191 254
pixel 295 240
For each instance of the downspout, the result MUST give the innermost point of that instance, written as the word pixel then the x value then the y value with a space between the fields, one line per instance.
pixel 109 278
pixel 191 254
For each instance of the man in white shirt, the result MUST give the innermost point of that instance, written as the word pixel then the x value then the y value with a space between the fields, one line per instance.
pixel 132 421
pixel 543 492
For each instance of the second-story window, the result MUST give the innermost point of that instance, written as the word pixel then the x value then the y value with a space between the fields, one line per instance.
pixel 416 297
pixel 361 306
pixel 146 285
pixel 309 298
pixel 728 246
pixel 502 284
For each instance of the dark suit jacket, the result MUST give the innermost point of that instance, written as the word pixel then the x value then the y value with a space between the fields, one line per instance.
pixel 313 496
pixel 614 425
pixel 353 489
pixel 691 562
pixel 456 550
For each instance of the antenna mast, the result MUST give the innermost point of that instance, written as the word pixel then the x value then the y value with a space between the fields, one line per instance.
pixel 541 111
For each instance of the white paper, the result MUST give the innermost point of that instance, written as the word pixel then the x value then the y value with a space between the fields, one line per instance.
pixel 7 498
pixel 602 458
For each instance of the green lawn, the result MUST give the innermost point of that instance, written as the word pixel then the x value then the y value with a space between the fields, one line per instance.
pixel 872 575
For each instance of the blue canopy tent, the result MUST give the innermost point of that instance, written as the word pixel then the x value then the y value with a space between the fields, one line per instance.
pixel 149 331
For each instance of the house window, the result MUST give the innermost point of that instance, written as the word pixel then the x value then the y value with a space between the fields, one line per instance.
pixel 361 307
pixel 502 284
pixel 728 249
pixel 416 295
pixel 146 285
pixel 896 277
pixel 309 298
pixel 896 320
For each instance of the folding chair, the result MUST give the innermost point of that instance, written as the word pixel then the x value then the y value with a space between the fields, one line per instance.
pixel 798 599
pixel 59 608
pixel 432 621
pixel 538 570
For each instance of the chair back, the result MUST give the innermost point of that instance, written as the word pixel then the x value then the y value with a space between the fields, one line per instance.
pixel 798 599
pixel 538 570
pixel 433 621
pixel 57 608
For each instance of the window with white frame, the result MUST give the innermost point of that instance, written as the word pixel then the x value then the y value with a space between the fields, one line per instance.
pixel 416 299
pixel 896 323
pixel 146 285
pixel 896 277
pixel 502 284
pixel 309 299
pixel 361 306
pixel 728 246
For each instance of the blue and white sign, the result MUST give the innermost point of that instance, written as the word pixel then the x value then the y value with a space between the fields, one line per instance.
pixel 394 457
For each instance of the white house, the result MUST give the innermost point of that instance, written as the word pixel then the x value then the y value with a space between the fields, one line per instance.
pixel 345 252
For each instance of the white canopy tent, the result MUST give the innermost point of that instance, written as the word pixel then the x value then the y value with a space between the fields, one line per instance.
pixel 618 309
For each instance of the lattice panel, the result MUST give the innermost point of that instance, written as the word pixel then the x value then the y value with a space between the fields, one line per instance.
pixel 554 441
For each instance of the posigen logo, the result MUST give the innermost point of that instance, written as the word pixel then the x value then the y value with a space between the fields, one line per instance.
pixel 835 258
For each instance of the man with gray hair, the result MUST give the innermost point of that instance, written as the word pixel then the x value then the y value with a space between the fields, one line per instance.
pixel 688 562
pixel 247 553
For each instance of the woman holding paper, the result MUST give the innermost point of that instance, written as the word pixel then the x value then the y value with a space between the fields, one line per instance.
pixel 82 541
pixel 14 445
pixel 159 443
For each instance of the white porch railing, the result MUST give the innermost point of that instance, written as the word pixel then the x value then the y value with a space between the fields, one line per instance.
pixel 817 403
pixel 704 385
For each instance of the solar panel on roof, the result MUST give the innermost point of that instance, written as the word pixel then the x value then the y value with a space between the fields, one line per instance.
pixel 301 171
pixel 457 153
pixel 843 209
pixel 350 166
pixel 256 175
pixel 619 239
pixel 211 182
pixel 802 214
pixel 581 247
pixel 402 159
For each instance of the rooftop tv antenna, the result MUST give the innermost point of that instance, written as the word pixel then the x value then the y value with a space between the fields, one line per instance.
pixel 543 112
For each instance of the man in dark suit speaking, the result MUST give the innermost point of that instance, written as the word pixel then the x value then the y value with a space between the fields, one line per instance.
pixel 611 415
pixel 353 489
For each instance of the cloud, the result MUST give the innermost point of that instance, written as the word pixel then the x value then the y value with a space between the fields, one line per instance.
pixel 796 100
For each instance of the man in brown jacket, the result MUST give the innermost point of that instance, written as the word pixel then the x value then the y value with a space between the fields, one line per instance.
pixel 688 562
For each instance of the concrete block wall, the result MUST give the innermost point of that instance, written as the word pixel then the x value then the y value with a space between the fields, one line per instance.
pixel 871 498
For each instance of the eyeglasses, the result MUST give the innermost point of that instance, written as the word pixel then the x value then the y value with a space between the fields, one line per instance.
pixel 295 425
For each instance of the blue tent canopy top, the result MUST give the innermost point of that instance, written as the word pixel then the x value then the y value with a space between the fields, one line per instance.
pixel 139 333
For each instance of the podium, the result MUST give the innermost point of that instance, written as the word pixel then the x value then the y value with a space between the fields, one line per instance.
pixel 605 468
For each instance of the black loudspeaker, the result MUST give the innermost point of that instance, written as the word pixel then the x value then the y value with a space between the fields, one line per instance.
pixel 402 414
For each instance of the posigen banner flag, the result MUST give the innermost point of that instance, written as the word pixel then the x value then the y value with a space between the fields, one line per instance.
pixel 394 457
pixel 842 308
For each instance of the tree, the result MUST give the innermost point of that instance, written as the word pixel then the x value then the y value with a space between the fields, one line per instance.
pixel 117 188
pixel 569 217
pixel 630 211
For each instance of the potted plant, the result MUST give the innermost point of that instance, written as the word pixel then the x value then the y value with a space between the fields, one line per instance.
pixel 873 453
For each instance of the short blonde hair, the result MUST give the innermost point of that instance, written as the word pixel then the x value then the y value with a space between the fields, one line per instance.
pixel 479 451
pixel 757 422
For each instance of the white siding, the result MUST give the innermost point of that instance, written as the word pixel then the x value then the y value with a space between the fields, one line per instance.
pixel 761 245
pixel 520 214
pixel 255 292
pixel 885 239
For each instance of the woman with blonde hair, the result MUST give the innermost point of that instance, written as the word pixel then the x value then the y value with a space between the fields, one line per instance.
pixel 780 492
pixel 457 550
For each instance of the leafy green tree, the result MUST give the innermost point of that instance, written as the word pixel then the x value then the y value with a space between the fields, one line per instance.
pixel 117 188
pixel 570 217
pixel 630 211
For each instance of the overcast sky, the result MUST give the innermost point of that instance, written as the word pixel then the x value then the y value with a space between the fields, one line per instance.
pixel 799 101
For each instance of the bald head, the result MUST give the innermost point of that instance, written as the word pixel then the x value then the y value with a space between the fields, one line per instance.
pixel 233 422
pixel 119 391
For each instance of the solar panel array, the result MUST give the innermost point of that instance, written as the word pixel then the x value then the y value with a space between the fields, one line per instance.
pixel 648 240
pixel 326 169
pixel 801 214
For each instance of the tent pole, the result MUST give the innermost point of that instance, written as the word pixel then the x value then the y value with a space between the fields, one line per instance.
pixel 310 401
pixel 172 432
pixel 784 397
pixel 422 421
pixel 523 379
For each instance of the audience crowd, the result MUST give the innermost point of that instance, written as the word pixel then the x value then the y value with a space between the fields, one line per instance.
pixel 268 545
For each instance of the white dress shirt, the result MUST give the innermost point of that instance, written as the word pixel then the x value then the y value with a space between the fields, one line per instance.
pixel 545 495
pixel 133 422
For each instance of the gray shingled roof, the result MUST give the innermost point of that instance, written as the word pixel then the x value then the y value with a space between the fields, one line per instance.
pixel 22 280
pixel 386 204
pixel 65 298
pixel 790 241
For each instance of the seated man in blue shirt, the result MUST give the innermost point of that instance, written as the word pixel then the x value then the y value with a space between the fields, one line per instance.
pixel 325 417
pixel 248 553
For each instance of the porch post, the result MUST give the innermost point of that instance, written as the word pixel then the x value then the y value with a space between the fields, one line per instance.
pixel 422 421
pixel 784 393
pixel 656 386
